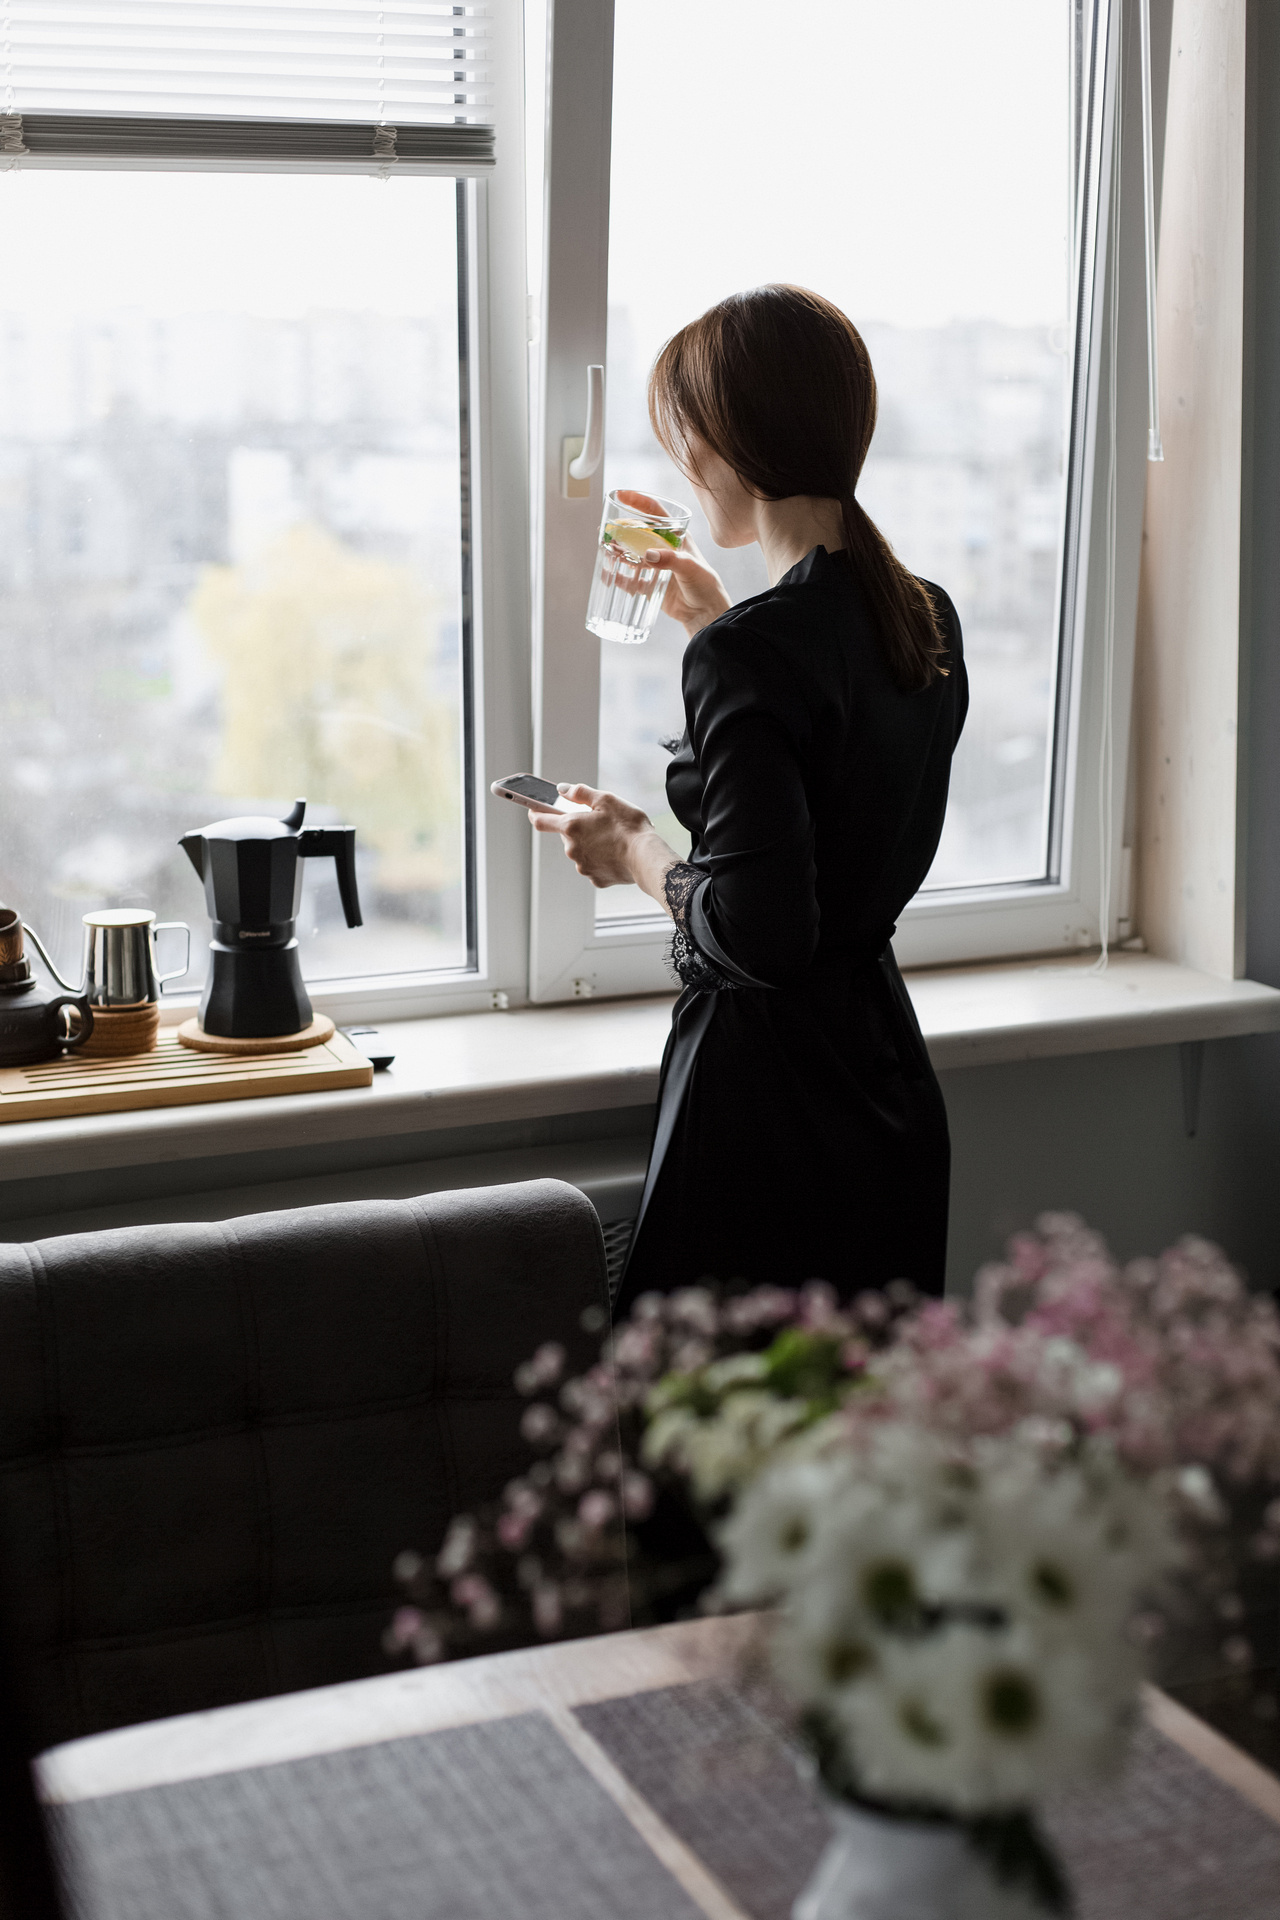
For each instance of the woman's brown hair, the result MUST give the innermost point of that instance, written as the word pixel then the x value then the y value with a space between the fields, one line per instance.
pixel 778 383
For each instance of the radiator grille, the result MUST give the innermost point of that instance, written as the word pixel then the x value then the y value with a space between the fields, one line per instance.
pixel 617 1244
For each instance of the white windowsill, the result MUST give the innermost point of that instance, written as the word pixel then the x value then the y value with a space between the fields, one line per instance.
pixel 461 1070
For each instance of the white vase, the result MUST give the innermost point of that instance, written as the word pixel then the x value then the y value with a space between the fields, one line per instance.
pixel 880 1868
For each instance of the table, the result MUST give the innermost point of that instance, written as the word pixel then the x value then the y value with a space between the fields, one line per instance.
pixel 624 1776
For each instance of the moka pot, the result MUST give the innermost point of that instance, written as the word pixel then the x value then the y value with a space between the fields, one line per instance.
pixel 253 887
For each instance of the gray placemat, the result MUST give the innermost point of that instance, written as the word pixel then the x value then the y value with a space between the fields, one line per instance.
pixel 1169 1842
pixel 1166 1842
pixel 475 1823
pixel 724 1780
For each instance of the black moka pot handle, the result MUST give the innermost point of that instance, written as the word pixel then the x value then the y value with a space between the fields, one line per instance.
pixel 317 843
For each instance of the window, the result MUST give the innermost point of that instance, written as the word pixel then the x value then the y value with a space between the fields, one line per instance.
pixel 268 367
pixel 970 336
pixel 944 174
pixel 247 346
pixel 231 450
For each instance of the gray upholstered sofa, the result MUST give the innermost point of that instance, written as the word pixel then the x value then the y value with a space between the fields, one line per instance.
pixel 214 1439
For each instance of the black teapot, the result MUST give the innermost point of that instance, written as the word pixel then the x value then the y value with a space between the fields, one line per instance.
pixel 34 1021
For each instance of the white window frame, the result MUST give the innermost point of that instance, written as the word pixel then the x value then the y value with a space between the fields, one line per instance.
pixel 501 671
pixel 501 719
pixel 498 697
pixel 572 954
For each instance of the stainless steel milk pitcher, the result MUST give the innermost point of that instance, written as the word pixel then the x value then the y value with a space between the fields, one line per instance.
pixel 119 956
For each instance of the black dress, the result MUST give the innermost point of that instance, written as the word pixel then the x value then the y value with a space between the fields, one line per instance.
pixel 800 1130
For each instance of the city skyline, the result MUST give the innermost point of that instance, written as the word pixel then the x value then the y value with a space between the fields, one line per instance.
pixel 142 452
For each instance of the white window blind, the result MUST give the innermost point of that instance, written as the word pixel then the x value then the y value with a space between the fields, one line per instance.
pixel 200 82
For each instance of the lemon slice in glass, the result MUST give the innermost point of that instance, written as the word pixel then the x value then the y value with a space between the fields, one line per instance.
pixel 637 540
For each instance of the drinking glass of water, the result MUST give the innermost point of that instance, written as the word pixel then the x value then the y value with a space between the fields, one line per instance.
pixel 626 596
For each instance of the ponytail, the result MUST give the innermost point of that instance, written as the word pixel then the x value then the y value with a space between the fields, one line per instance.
pixel 902 607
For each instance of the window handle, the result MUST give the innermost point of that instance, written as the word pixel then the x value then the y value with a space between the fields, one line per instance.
pixel 589 459
pixel 579 459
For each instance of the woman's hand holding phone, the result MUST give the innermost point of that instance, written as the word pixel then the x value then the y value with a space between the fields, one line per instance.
pixel 599 839
pixel 610 842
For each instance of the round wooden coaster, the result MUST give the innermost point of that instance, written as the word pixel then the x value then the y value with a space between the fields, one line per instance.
pixel 193 1035
pixel 121 1030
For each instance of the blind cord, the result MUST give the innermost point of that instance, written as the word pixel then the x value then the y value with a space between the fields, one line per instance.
pixel 1106 753
pixel 1155 448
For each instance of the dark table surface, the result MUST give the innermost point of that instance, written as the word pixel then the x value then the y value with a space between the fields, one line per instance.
pixel 628 1776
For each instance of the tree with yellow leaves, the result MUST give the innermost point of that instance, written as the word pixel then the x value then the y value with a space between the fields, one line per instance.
pixel 329 658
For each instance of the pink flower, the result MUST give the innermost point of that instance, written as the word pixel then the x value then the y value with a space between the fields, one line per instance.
pixel 762 1307
pixel 540 1424
pixel 1171 1359
pixel 695 1308
pixel 523 1499
pixel 549 1362
pixel 819 1306
pixel 543 1370
pixel 405 1622
pixel 596 1509
pixel 637 1496
pixel 1027 1257
pixel 459 1547
pixel 638 1346
pixel 513 1530
pixel 474 1592
pixel 690 1355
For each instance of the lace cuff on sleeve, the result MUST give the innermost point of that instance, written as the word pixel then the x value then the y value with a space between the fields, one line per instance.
pixel 680 885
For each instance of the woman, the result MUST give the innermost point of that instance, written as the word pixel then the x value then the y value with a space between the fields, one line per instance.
pixel 801 1131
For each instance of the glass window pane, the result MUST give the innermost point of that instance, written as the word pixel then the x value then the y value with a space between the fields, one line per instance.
pixel 912 163
pixel 231 546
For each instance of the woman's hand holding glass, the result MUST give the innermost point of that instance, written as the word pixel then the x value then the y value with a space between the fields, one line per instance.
pixel 695 594
pixel 610 842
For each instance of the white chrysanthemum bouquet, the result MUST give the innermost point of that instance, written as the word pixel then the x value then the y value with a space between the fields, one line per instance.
pixel 953 1617
pixel 964 1522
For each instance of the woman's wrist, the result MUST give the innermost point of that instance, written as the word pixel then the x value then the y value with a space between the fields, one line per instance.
pixel 703 616
pixel 651 860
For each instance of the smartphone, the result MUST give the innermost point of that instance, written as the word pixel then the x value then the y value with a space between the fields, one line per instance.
pixel 527 789
pixel 372 1046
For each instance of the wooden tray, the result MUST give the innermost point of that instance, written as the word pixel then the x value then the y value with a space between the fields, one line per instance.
pixel 173 1076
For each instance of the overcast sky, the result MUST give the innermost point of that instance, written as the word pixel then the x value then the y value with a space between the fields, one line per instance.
pixel 274 244
pixel 906 157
